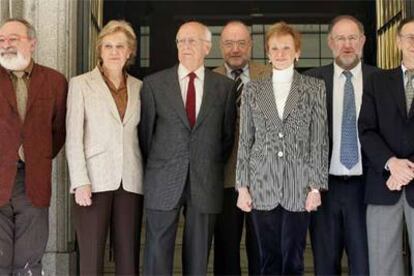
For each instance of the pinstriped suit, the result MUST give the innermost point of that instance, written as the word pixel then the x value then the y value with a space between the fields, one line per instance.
pixel 280 159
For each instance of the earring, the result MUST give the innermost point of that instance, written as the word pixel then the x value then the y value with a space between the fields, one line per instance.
pixel 297 59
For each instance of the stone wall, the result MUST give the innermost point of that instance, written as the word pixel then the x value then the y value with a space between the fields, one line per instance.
pixel 55 22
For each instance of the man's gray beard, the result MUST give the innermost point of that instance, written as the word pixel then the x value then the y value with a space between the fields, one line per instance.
pixel 348 66
pixel 16 63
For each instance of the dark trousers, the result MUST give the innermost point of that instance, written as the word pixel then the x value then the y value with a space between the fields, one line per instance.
pixel 227 238
pixel 24 230
pixel 340 224
pixel 122 212
pixel 281 237
pixel 161 229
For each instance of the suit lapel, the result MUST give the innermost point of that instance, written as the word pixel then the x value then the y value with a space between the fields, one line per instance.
pixel 7 89
pixel 293 96
pixel 266 102
pixel 253 71
pixel 399 93
pixel 173 92
pixel 131 100
pixel 98 84
pixel 209 94
pixel 35 81
pixel 221 70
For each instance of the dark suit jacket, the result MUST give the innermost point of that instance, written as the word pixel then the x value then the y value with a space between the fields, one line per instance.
pixel 385 131
pixel 42 134
pixel 326 73
pixel 173 150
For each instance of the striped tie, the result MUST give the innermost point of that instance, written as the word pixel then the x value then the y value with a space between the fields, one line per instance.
pixel 409 89
pixel 239 84
pixel 349 141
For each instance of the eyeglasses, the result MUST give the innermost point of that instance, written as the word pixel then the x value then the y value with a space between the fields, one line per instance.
pixel 343 39
pixel 231 43
pixel 409 38
pixel 189 41
pixel 13 40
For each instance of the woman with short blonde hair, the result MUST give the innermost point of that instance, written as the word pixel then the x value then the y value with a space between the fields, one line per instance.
pixel 105 163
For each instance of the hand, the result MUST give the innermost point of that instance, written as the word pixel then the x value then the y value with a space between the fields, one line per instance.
pixel 244 200
pixel 313 201
pixel 401 169
pixel 393 184
pixel 83 195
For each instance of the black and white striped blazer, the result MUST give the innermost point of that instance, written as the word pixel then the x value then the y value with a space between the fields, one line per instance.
pixel 279 160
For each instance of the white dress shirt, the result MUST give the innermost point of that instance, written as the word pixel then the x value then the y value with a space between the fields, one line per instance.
pixel 183 78
pixel 245 75
pixel 336 167
pixel 282 82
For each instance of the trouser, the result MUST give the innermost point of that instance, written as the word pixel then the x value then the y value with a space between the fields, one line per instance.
pixel 385 232
pixel 340 224
pixel 122 212
pixel 161 229
pixel 227 238
pixel 281 236
pixel 24 231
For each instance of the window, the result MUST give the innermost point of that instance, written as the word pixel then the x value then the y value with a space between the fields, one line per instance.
pixel 315 51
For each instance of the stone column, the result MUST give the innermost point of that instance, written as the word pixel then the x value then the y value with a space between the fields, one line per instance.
pixel 4 9
pixel 55 23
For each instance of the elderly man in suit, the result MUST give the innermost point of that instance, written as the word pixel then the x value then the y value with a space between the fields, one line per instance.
pixel 236 47
pixel 386 129
pixel 340 221
pixel 186 134
pixel 32 131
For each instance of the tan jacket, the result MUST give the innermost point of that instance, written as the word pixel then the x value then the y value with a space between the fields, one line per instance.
pixel 101 149
pixel 256 71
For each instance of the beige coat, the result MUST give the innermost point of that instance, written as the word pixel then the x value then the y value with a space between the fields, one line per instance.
pixel 101 149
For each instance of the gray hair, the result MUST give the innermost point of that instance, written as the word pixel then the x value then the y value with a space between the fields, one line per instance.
pixel 31 32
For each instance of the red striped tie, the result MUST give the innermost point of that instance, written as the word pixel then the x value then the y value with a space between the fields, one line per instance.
pixel 191 99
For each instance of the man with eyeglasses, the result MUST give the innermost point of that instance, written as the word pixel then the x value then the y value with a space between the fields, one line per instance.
pixel 32 131
pixel 386 128
pixel 339 223
pixel 186 135
pixel 236 48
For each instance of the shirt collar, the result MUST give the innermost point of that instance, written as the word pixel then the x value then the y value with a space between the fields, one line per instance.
pixel 100 67
pixel 28 70
pixel 183 72
pixel 355 71
pixel 229 70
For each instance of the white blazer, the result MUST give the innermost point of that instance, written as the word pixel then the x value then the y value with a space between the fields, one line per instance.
pixel 101 149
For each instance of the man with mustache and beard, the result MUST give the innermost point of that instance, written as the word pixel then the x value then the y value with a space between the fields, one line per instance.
pixel 339 222
pixel 32 131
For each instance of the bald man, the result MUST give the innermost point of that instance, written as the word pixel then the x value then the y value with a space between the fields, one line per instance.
pixel 236 48
pixel 186 135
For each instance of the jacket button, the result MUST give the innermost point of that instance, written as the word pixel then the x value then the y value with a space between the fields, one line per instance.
pixel 280 154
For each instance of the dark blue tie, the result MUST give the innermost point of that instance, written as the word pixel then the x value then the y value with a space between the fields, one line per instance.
pixel 349 139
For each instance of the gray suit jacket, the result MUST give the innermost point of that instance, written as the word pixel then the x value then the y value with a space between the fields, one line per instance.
pixel 173 151
pixel 256 71
pixel 279 160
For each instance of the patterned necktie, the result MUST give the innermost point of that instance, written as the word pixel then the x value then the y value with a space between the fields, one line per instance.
pixel 239 84
pixel 191 99
pixel 409 90
pixel 349 141
pixel 21 93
